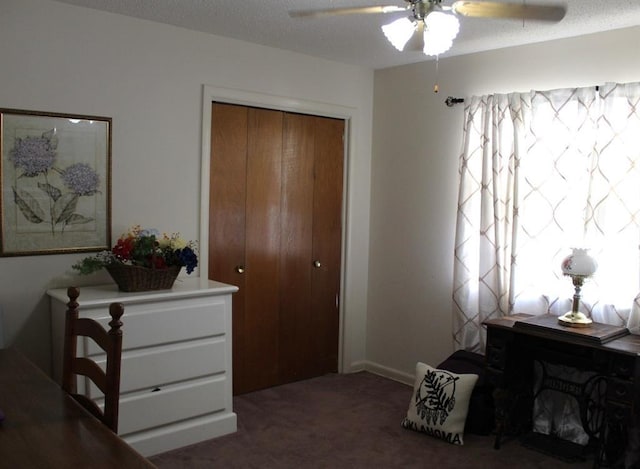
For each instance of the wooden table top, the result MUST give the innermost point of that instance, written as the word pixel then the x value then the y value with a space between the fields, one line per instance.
pixel 45 428
pixel 602 336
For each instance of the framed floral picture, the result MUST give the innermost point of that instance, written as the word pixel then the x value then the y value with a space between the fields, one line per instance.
pixel 55 183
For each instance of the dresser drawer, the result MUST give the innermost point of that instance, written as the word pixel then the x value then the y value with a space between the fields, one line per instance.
pixel 496 356
pixel 150 368
pixel 618 413
pixel 171 404
pixel 623 366
pixel 172 321
pixel 495 377
pixel 620 391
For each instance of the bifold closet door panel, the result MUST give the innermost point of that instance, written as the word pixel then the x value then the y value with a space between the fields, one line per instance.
pixel 262 249
pixel 327 241
pixel 227 199
pixel 296 325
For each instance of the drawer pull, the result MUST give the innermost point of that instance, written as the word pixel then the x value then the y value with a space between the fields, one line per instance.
pixel 619 415
pixel 621 392
pixel 155 389
pixel 623 368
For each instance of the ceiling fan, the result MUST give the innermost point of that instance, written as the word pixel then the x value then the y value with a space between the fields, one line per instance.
pixel 431 27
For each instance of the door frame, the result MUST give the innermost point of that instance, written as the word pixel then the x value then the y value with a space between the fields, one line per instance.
pixel 280 103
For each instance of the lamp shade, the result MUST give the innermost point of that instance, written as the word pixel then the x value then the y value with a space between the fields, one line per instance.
pixel 399 32
pixel 440 30
pixel 579 263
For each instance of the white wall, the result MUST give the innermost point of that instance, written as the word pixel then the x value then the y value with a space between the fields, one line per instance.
pixel 416 144
pixel 149 78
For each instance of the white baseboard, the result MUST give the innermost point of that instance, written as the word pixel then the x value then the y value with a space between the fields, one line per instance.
pixel 384 371
pixel 355 367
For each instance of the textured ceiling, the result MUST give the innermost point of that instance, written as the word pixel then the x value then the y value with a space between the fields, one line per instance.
pixel 357 39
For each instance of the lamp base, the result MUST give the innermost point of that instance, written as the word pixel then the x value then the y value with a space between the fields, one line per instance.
pixel 572 319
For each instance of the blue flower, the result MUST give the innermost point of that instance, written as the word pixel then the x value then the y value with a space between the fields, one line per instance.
pixel 33 155
pixel 81 179
pixel 188 258
pixel 149 232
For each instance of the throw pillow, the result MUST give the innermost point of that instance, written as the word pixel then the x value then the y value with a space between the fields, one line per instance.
pixel 440 403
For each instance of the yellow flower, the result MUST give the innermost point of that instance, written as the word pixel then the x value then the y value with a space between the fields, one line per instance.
pixel 175 241
pixel 178 243
pixel 164 242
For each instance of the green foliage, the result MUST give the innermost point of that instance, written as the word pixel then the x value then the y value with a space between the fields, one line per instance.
pixel 92 264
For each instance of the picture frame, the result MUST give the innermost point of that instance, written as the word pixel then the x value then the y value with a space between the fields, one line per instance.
pixel 55 183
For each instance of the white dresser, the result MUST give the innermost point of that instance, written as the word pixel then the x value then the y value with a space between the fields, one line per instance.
pixel 176 383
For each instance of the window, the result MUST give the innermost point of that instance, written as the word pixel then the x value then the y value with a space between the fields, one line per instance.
pixel 540 173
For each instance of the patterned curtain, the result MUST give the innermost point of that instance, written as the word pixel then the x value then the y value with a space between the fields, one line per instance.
pixel 540 173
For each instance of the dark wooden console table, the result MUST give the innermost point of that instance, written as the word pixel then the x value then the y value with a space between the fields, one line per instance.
pixel 45 428
pixel 609 407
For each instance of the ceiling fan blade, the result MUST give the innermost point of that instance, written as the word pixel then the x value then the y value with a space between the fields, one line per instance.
pixel 345 11
pixel 416 43
pixel 509 10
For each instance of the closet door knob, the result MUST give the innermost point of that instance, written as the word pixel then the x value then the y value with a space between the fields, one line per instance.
pixel 240 269
pixel 317 264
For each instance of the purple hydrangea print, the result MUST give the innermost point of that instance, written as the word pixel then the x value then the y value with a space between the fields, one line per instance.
pixel 33 155
pixel 81 179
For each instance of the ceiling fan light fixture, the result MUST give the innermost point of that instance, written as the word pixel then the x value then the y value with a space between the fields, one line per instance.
pixel 431 28
pixel 440 30
pixel 399 32
pixel 434 45
pixel 442 23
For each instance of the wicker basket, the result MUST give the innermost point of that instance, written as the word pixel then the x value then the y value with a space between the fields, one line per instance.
pixel 131 278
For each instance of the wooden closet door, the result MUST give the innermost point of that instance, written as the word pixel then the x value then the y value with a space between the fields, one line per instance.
pixel 296 327
pixel 275 209
pixel 227 221
pixel 262 283
pixel 327 243
pixel 311 249
pixel 244 234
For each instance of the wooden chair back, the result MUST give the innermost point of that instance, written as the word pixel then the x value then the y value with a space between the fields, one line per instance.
pixel 111 342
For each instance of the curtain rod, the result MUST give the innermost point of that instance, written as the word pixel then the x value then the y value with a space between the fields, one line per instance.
pixel 450 101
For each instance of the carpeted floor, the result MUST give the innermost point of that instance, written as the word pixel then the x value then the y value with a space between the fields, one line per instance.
pixel 343 421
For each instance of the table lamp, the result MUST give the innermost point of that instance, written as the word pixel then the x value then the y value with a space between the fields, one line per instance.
pixel 578 265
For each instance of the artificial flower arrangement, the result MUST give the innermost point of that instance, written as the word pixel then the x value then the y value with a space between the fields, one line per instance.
pixel 143 253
